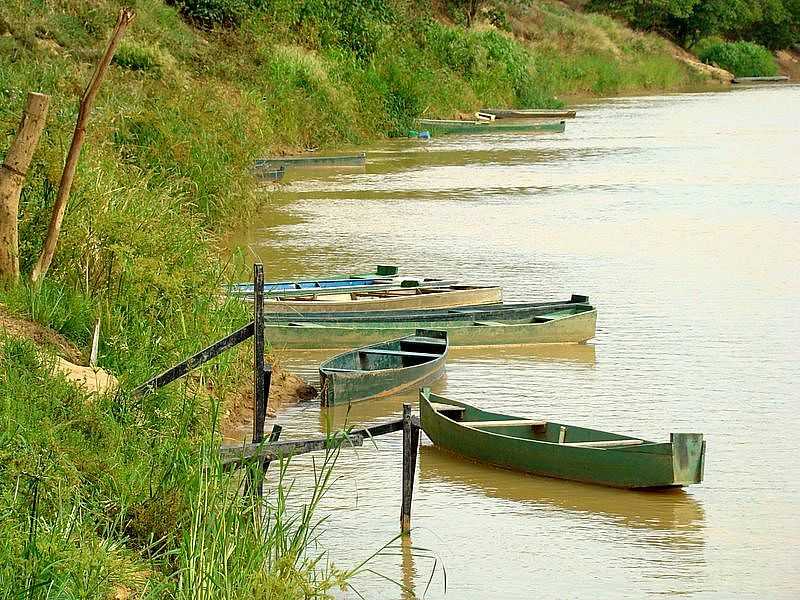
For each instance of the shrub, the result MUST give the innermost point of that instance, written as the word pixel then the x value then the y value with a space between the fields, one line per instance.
pixel 743 59
pixel 211 13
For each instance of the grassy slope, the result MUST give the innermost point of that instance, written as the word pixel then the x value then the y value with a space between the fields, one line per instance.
pixel 163 173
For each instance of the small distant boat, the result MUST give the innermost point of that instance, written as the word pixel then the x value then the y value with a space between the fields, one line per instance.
pixel 384 368
pixel 445 126
pixel 343 160
pixel 530 113
pixel 569 322
pixel 541 447
pixel 399 298
pixel 773 79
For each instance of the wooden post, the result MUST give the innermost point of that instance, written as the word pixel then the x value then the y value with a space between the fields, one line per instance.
pixel 259 372
pixel 12 177
pixel 74 153
pixel 410 444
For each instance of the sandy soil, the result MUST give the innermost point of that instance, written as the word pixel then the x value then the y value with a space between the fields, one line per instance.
pixel 67 355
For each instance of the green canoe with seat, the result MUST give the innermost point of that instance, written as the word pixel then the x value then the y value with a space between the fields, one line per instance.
pixel 541 447
pixel 383 369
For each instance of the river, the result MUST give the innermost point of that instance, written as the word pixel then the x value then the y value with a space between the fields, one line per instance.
pixel 679 216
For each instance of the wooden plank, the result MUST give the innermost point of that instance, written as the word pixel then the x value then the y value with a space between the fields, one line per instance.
pixel 605 443
pixel 194 361
pixel 446 407
pixel 508 423
pixel 236 456
pixel 398 353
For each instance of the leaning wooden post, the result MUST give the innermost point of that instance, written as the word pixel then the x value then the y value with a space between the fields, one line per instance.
pixel 259 374
pixel 74 153
pixel 410 444
pixel 12 177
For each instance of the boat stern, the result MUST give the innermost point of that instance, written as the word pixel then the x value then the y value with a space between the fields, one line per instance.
pixel 688 457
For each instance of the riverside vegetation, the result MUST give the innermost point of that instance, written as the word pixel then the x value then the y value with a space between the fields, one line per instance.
pixel 101 495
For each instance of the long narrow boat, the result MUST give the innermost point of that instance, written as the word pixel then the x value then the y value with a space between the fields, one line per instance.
pixel 772 79
pixel 568 323
pixel 323 287
pixel 444 126
pixel 541 447
pixel 446 296
pixel 510 312
pixel 530 113
pixel 383 369
pixel 344 160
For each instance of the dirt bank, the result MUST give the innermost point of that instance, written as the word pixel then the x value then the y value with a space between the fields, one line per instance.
pixel 286 388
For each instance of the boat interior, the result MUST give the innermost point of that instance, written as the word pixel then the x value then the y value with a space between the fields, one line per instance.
pixel 396 354
pixel 385 293
pixel 537 429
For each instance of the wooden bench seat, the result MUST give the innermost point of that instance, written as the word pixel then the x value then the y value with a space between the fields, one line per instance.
pixel 446 407
pixel 508 423
pixel 604 443
pixel 489 323
pixel 425 340
pixel 399 353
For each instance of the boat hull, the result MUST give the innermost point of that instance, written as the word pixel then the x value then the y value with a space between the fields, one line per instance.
pixel 389 376
pixel 647 466
pixel 402 299
pixel 530 113
pixel 571 329
pixel 482 127
pixel 348 160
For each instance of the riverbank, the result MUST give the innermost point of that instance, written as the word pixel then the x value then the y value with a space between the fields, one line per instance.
pixel 164 173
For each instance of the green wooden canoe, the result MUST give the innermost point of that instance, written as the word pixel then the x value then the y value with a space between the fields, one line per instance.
pixel 530 113
pixel 541 447
pixel 443 126
pixel 312 161
pixel 383 369
pixel 559 324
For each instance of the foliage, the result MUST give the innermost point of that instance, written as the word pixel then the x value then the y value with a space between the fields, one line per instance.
pixel 743 59
pixel 211 13
pixel 775 23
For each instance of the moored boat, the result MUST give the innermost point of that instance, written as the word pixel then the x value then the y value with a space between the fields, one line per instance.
pixel 382 369
pixel 321 287
pixel 445 126
pixel 530 113
pixel 344 160
pixel 541 447
pixel 543 323
pixel 437 296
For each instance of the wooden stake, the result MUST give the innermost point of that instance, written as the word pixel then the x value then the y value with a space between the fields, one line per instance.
pixel 12 177
pixel 259 374
pixel 410 445
pixel 85 109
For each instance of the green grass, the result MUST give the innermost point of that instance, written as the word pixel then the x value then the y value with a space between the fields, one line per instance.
pixel 98 492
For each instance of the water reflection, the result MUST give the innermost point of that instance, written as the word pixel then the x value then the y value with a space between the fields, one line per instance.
pixel 674 510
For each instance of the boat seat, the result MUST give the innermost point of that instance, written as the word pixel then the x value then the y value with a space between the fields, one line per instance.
pixel 338 370
pixel 399 353
pixel 425 340
pixel 508 423
pixel 543 319
pixel 446 407
pixel 492 323
pixel 304 324
pixel 604 443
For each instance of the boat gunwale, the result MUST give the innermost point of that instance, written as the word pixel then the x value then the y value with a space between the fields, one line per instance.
pixel 476 430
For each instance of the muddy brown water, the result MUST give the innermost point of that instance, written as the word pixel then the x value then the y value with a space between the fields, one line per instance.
pixel 680 217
